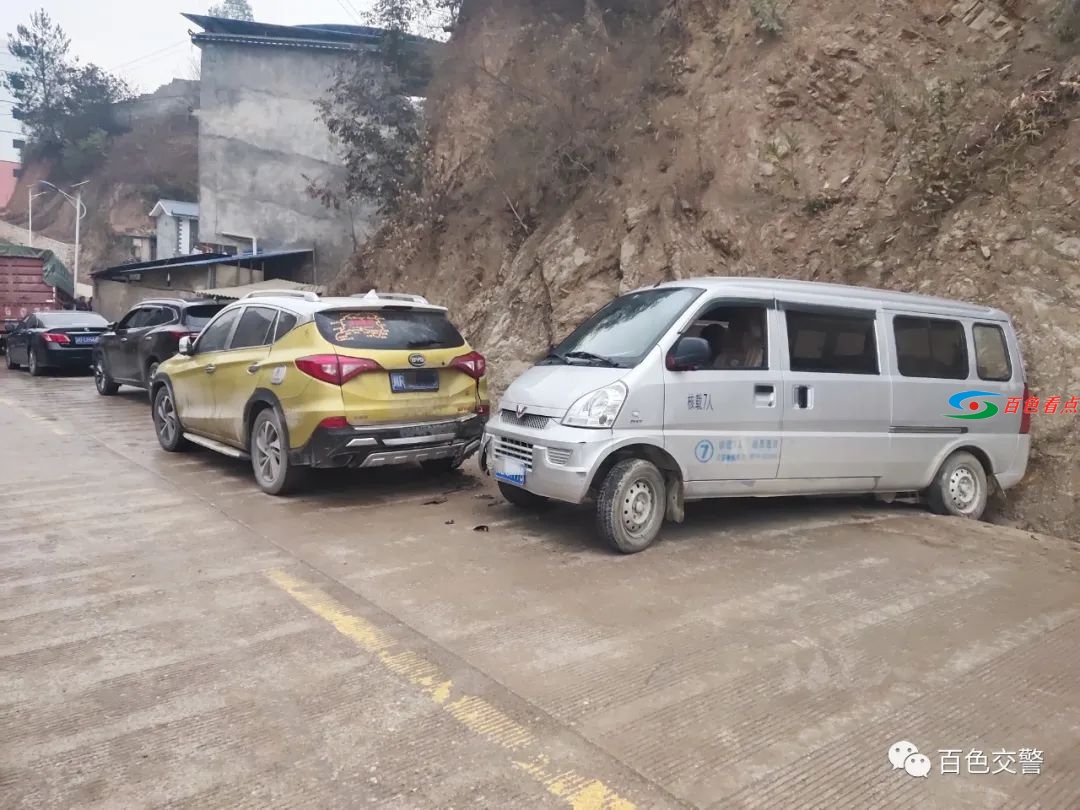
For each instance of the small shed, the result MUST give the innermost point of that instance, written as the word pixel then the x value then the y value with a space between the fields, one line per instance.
pixel 177 227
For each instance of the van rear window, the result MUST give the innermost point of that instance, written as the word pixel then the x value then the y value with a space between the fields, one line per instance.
pixel 391 328
pixel 931 347
pixel 992 353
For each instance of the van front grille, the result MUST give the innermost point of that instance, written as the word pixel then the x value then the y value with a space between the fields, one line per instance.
pixel 514 450
pixel 529 420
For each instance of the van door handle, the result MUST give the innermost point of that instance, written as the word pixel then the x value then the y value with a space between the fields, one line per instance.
pixel 804 399
pixel 253 368
pixel 210 369
pixel 765 396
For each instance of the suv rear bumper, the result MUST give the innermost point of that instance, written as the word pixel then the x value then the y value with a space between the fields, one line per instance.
pixel 384 445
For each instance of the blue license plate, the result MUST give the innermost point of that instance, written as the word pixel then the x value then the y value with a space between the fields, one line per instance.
pixel 402 382
pixel 86 340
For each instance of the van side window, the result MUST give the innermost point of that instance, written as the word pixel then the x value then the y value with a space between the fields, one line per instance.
pixel 991 353
pixel 736 334
pixel 930 347
pixel 832 343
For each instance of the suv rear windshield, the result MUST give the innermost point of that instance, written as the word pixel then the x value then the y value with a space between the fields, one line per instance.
pixel 391 328
pixel 199 316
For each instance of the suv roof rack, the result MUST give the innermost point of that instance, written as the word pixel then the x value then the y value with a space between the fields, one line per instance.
pixel 377 296
pixel 307 296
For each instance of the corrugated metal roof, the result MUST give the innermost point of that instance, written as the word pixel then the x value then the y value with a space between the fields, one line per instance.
pixel 261 286
pixel 199 259
pixel 176 208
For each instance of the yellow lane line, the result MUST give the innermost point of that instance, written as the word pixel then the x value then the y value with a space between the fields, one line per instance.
pixel 474 713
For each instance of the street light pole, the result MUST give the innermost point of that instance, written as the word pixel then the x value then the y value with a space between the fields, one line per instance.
pixel 80 212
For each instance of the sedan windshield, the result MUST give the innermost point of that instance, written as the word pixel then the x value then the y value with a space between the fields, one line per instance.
pixel 623 332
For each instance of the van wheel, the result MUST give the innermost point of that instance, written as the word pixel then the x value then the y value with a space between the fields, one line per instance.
pixel 167 422
pixel 274 473
pixel 960 487
pixel 522 498
pixel 631 505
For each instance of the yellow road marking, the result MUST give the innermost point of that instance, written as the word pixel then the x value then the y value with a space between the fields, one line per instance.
pixel 33 417
pixel 474 713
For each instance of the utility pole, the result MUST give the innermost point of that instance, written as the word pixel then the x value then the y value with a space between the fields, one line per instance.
pixel 30 217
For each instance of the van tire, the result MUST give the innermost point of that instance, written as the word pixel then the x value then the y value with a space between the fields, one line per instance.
pixel 631 505
pixel 960 488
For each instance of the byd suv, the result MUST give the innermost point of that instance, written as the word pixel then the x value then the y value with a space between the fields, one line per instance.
pixel 293 381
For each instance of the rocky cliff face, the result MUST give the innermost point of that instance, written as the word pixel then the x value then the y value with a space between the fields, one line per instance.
pixel 919 146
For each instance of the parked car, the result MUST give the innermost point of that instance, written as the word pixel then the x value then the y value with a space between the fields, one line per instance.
pixel 712 388
pixel 54 340
pixel 148 334
pixel 294 381
pixel 6 325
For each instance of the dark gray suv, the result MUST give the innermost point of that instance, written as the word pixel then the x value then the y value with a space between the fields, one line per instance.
pixel 130 352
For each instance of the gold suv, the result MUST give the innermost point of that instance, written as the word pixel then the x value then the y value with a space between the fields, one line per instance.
pixel 293 381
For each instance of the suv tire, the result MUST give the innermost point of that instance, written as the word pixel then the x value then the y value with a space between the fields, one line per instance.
pixel 170 432
pixel 105 384
pixel 269 448
pixel 631 505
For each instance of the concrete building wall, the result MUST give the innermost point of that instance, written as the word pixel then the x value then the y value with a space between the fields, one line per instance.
pixel 166 237
pixel 261 145
pixel 8 179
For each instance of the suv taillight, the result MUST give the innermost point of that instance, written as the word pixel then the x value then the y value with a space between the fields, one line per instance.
pixel 472 364
pixel 1025 417
pixel 333 368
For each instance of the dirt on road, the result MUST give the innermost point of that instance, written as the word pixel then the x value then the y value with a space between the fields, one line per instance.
pixel 170 636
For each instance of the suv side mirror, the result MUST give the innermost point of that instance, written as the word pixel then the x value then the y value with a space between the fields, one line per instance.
pixel 689 354
pixel 111 326
pixel 187 346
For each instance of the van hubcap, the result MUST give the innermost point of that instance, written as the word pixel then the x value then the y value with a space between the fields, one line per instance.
pixel 638 505
pixel 268 452
pixel 963 488
pixel 166 419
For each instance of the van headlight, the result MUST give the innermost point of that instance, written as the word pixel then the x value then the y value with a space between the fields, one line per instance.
pixel 597 409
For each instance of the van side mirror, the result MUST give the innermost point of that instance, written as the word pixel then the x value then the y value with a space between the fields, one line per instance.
pixel 689 354
pixel 187 346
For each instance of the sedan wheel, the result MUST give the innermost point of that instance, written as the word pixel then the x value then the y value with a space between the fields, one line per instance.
pixel 9 361
pixel 32 364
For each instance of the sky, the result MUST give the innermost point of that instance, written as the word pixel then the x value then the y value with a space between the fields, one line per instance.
pixel 145 42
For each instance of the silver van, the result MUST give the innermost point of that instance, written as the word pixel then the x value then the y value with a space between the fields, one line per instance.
pixel 735 387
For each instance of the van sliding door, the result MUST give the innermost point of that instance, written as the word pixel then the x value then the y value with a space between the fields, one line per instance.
pixel 837 409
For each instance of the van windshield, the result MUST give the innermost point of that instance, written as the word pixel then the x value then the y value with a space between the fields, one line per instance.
pixel 623 332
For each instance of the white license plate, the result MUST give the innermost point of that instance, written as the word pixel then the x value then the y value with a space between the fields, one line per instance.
pixel 513 472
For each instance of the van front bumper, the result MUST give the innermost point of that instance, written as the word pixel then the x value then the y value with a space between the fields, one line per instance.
pixel 560 462
pixel 384 445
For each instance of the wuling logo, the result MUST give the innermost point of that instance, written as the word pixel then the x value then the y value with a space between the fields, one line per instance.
pixel 978 410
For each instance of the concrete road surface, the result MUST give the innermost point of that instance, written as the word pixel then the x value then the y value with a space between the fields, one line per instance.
pixel 169 636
